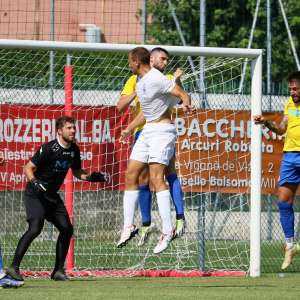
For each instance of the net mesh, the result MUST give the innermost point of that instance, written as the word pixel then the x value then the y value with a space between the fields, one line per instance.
pixel 212 161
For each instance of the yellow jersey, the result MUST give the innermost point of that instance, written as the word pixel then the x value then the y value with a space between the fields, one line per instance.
pixel 129 88
pixel 292 137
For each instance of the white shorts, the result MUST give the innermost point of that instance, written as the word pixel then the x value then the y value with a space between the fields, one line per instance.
pixel 156 144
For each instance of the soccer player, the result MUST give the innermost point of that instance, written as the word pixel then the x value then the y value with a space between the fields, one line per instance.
pixel 45 173
pixel 289 178
pixel 155 145
pixel 159 58
pixel 6 281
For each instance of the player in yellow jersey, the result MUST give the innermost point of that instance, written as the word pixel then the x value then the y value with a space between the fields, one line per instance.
pixel 289 178
pixel 159 59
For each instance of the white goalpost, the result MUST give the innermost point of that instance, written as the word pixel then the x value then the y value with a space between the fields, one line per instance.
pixel 219 157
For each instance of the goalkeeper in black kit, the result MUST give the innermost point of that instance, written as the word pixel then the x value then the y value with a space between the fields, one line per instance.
pixel 45 173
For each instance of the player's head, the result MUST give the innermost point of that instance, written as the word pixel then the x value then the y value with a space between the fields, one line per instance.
pixel 66 129
pixel 294 86
pixel 159 58
pixel 138 57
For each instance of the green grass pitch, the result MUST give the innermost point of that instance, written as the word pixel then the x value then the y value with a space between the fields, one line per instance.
pixel 269 286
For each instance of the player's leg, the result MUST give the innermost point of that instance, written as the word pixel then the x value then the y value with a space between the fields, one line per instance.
pixel 145 201
pixel 35 212
pixel 285 205
pixel 145 204
pixel 145 196
pixel 130 199
pixel 35 227
pixel 288 183
pixel 2 274
pixel 161 138
pixel 163 197
pixel 5 280
pixel 61 221
pixel 177 196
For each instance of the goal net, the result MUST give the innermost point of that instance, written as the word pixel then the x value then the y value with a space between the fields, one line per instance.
pixel 213 157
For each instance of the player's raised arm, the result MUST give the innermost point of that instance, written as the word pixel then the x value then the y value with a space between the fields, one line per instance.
pixel 180 93
pixel 272 125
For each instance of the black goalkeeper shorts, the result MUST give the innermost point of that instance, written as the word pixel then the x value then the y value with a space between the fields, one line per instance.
pixel 38 207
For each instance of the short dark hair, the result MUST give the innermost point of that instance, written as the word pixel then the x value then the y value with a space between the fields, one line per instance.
pixel 60 122
pixel 141 54
pixel 294 76
pixel 159 49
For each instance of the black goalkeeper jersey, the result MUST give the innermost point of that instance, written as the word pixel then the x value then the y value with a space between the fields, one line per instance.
pixel 52 162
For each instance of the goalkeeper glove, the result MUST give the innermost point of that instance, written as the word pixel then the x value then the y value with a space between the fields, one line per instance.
pixel 38 185
pixel 97 177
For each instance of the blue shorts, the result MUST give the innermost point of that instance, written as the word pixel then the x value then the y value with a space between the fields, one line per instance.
pixel 290 168
pixel 136 136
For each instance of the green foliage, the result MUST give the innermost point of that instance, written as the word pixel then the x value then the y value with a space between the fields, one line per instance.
pixel 228 24
pixel 25 69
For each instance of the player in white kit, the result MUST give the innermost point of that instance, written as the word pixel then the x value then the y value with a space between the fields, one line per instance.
pixel 155 146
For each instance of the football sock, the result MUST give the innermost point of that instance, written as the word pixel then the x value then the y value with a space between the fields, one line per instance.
pixel 286 213
pixel 145 202
pixel 176 194
pixel 164 207
pixel 130 199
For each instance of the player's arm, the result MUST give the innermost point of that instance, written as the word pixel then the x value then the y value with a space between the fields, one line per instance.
pixel 93 177
pixel 81 174
pixel 29 170
pixel 128 94
pixel 38 185
pixel 136 122
pixel 279 128
pixel 180 93
pixel 177 75
pixel 125 101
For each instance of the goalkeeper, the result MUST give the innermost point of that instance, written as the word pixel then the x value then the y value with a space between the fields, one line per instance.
pixel 45 173
pixel 289 177
pixel 159 58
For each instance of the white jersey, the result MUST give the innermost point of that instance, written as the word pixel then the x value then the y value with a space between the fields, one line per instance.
pixel 153 91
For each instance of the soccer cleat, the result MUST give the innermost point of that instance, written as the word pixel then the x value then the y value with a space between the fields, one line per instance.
pixel 127 234
pixel 59 275
pixel 288 256
pixel 14 273
pixel 180 227
pixel 144 234
pixel 7 282
pixel 164 242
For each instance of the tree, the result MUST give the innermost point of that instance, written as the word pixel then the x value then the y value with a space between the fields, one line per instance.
pixel 228 24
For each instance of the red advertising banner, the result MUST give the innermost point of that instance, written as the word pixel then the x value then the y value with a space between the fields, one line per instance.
pixel 23 128
pixel 213 149
pixel 213 152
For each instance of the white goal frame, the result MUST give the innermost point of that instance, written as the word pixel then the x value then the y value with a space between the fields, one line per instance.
pixel 256 96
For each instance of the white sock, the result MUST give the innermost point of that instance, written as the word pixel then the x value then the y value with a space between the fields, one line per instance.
pixel 129 204
pixel 289 242
pixel 164 207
